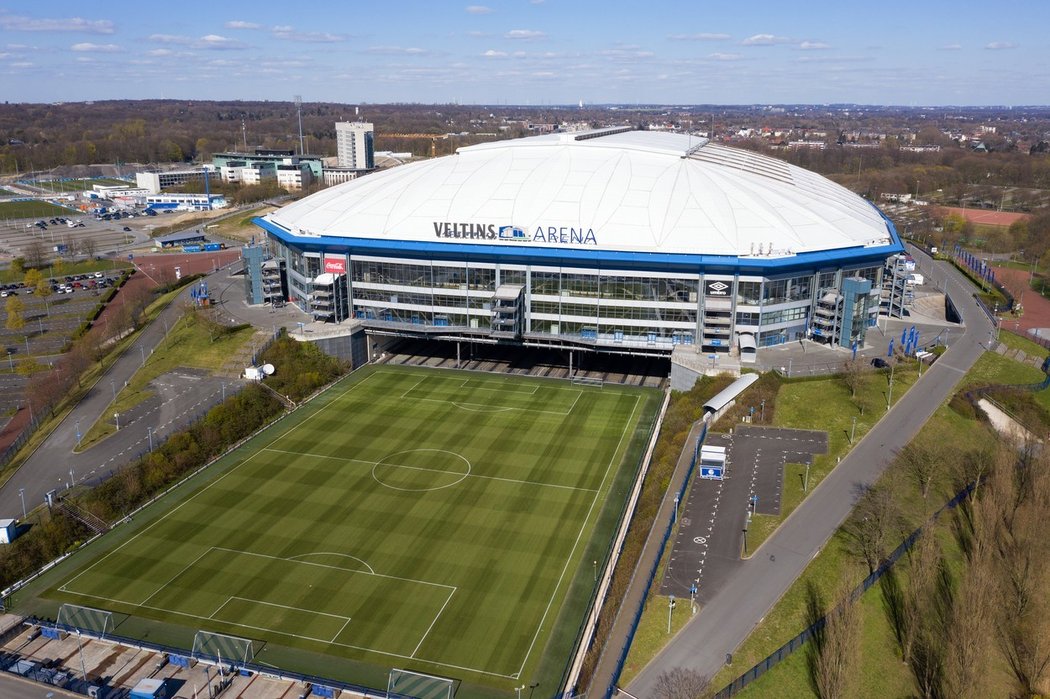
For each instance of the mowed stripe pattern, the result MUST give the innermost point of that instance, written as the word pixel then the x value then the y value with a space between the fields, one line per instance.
pixel 423 515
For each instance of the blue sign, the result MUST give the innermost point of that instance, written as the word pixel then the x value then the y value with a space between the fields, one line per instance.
pixel 711 472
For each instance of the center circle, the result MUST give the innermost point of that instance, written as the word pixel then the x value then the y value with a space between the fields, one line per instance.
pixel 420 470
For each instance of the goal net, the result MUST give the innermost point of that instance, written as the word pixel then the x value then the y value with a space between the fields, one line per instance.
pixel 94 621
pixel 405 684
pixel 587 381
pixel 217 647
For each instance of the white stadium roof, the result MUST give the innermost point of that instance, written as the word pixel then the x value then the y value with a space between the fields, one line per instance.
pixel 613 189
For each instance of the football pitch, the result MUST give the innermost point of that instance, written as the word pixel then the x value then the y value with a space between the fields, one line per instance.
pixel 408 518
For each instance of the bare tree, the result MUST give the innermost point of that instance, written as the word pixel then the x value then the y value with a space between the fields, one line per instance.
pixel 854 375
pixel 924 462
pixel 970 626
pixel 837 648
pixel 875 521
pixel 680 683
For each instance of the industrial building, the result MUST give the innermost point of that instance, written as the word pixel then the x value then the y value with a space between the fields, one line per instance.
pixel 609 240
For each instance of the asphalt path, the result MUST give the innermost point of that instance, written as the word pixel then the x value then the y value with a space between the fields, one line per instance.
pixel 54 465
pixel 755 586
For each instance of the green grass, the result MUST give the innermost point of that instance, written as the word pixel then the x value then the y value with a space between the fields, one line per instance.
pixel 881 672
pixel 408 518
pixel 188 344
pixel 1016 341
pixel 31 209
pixel 79 185
pixel 826 405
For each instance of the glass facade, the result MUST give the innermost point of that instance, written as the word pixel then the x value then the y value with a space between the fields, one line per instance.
pixel 597 307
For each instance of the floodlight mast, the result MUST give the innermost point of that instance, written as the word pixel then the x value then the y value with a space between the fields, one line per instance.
pixel 299 110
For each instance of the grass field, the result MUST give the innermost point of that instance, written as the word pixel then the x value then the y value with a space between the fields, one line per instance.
pixel 407 518
pixel 31 209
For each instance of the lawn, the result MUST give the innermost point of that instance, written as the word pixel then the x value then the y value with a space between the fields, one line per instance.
pixel 881 672
pixel 32 209
pixel 408 518
pixel 79 185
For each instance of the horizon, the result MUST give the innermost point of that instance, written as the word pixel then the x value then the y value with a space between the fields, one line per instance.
pixel 529 53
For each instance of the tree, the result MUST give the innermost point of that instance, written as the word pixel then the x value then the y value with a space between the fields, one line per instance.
pixel 875 519
pixel 837 647
pixel 924 463
pixel 34 254
pixel 680 683
pixel 32 278
pixel 58 267
pixel 854 375
pixel 15 319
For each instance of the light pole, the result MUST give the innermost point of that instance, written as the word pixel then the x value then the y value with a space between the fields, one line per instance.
pixel 596 570
pixel 116 416
pixel 853 429
pixel 142 353
pixel 224 391
pixel 78 433
pixel 805 481
pixel 889 393
pixel 72 478
pixel 763 411
pixel 674 515
pixel 22 495
pixel 80 648
pixel 113 386
pixel 149 435
pixel 518 690
pixel 670 608
pixel 10 362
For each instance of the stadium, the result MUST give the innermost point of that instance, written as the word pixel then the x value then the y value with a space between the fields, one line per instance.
pixel 613 240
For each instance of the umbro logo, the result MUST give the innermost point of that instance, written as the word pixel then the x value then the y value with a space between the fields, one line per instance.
pixel 717 288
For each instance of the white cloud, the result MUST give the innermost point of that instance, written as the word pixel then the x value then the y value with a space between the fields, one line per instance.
pixel 494 54
pixel 396 50
pixel 765 40
pixel 1000 45
pixel 88 47
pixel 524 34
pixel 724 56
pixel 170 39
pixel 22 64
pixel 814 46
pixel 72 24
pixel 240 24
pixel 215 42
pixel 289 33
pixel 950 47
pixel 702 36
pixel 478 10
pixel 160 52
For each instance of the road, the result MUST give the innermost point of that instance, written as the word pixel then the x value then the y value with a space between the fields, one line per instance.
pixel 756 584
pixel 50 466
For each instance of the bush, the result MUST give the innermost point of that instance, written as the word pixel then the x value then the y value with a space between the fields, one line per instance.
pixel 301 368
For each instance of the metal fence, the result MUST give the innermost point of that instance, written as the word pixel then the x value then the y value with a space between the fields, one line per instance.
pixel 265 670
pixel 8 455
pixel 656 563
pixel 771 660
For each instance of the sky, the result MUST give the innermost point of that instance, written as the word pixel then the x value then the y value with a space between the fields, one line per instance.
pixel 529 52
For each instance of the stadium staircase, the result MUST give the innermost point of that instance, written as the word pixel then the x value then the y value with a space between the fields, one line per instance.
pixel 92 522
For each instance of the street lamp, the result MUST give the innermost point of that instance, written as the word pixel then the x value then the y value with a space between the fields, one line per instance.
pixel 116 416
pixel 72 478
pixel 22 495
pixel 142 353
pixel 518 690
pixel 78 433
pixel 670 608
pixel 149 435
pixel 889 393
pixel 763 411
pixel 853 429
pixel 113 386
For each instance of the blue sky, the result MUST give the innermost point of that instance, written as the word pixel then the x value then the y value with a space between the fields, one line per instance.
pixel 921 52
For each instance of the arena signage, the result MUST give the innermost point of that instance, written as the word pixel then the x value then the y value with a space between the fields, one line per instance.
pixel 335 265
pixel 717 288
pixel 556 235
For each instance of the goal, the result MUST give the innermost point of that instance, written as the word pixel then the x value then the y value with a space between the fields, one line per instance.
pixel 405 684
pixel 578 380
pixel 220 648
pixel 96 622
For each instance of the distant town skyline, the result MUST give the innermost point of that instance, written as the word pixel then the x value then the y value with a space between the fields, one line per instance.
pixel 529 52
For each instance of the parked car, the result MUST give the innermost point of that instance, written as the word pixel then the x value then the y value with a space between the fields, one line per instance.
pixel 880 363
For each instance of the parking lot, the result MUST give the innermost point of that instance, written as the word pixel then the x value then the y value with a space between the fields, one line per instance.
pixel 90 238
pixel 710 538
